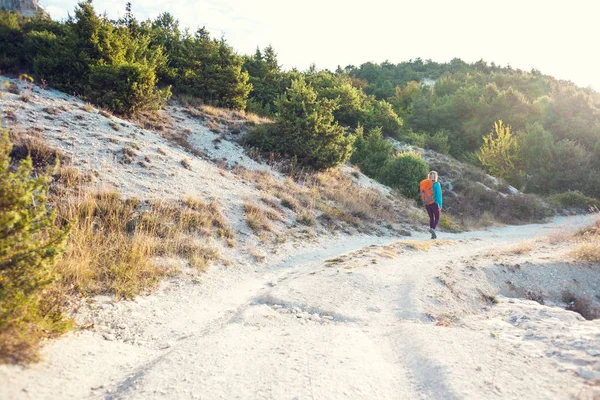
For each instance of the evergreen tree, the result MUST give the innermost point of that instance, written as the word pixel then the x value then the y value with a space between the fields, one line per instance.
pixel 371 153
pixel 304 129
pixel 266 80
pixel 30 244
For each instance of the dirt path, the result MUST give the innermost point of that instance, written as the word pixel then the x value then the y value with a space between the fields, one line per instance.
pixel 345 320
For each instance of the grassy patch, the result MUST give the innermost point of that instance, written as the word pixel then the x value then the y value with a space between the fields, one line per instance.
pixel 71 177
pixel 129 155
pixel 32 144
pixel 114 241
pixel 588 244
pixel 337 199
pixel 257 219
pixel 306 218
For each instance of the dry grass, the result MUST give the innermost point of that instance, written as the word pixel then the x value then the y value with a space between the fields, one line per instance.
pixel 114 242
pixel 104 253
pixel 419 246
pixel 114 126
pixel 87 107
pixel 10 115
pixel 271 201
pixel 51 110
pixel 218 118
pixel 129 155
pixel 588 251
pixel 186 164
pixel 518 249
pixel 588 243
pixel 214 126
pixel 105 114
pixel 581 305
pixel 43 156
pixel 257 218
pixel 71 177
pixel 422 245
pixel 306 218
pixel 331 194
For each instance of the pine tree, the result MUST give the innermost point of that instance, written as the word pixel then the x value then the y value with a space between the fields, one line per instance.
pixel 30 244
pixel 304 129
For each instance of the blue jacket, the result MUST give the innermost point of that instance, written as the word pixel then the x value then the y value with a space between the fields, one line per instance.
pixel 437 194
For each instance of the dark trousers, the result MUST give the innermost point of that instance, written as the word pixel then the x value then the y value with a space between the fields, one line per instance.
pixel 434 214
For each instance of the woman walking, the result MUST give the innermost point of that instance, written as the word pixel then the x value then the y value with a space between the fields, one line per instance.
pixel 431 194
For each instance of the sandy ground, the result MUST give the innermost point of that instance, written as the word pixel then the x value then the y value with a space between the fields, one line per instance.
pixel 360 318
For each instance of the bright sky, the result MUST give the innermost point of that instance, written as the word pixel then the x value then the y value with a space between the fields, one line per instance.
pixel 557 37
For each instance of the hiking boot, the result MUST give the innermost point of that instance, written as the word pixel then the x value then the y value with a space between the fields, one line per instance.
pixel 433 235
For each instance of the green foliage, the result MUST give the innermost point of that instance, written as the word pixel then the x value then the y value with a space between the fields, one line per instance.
pixel 437 142
pixel 575 200
pixel 499 152
pixel 382 115
pixel 199 65
pixel 465 99
pixel 305 130
pixel 125 89
pixel 450 105
pixel 371 153
pixel 266 80
pixel 110 63
pixel 30 244
pixel 414 138
pixel 404 172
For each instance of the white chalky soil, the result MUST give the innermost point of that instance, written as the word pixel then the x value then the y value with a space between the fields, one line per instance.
pixel 365 327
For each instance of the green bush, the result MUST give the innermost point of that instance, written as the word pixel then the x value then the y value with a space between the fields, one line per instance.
pixel 405 172
pixel 415 139
pixel 30 244
pixel 574 199
pixel 382 115
pixel 371 153
pixel 438 142
pixel 125 88
pixel 304 129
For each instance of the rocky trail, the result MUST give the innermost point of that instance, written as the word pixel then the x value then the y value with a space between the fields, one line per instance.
pixel 362 318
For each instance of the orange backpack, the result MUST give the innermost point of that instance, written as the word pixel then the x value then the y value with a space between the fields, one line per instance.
pixel 426 189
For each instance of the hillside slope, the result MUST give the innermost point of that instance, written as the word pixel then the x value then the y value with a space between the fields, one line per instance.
pixel 178 155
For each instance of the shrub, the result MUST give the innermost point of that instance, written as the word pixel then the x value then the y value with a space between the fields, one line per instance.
pixel 575 200
pixel 126 88
pixel 404 172
pixel 437 142
pixel 414 138
pixel 304 129
pixel 383 116
pixel 371 153
pixel 30 244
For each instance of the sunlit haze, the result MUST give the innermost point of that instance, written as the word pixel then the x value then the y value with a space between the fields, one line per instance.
pixel 555 37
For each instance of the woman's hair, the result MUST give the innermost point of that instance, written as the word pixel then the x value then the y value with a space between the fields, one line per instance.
pixel 433 175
